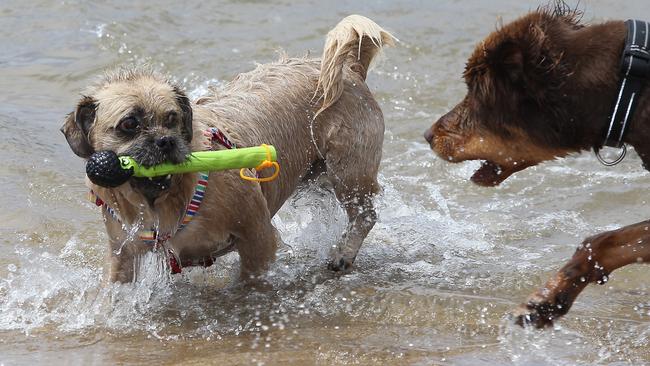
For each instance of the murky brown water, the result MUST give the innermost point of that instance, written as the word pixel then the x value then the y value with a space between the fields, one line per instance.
pixel 433 282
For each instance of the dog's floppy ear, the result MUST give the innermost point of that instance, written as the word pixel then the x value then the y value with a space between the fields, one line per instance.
pixel 527 62
pixel 507 59
pixel 77 127
pixel 186 108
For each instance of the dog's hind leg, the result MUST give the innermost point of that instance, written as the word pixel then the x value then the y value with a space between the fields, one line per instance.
pixel 354 149
pixel 594 260
pixel 353 169
pixel 357 200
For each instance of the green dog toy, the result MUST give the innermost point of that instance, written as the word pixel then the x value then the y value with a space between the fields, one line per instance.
pixel 106 169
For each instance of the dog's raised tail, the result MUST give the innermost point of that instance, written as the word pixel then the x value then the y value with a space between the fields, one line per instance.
pixel 354 42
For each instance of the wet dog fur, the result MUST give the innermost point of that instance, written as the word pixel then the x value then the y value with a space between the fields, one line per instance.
pixel 319 114
pixel 540 88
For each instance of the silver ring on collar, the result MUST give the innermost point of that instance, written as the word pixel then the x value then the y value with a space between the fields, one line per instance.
pixel 620 157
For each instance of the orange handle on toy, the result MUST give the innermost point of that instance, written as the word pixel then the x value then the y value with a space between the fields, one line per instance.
pixel 268 163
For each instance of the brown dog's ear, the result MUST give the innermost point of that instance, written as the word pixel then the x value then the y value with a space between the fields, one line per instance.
pixel 508 60
pixel 77 127
pixel 521 52
pixel 186 108
pixel 528 62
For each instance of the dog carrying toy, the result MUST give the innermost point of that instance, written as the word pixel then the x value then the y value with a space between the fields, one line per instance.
pixel 106 169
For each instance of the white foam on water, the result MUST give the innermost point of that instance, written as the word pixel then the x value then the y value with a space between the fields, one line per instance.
pixel 49 289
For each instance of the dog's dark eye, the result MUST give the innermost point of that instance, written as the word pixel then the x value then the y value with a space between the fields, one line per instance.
pixel 129 125
pixel 171 119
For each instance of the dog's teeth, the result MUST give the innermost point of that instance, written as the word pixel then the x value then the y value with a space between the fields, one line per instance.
pixel 169 176
pixel 150 178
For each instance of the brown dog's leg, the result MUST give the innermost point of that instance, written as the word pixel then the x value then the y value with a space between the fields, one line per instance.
pixel 594 260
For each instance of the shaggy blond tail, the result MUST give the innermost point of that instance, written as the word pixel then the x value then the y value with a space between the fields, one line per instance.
pixel 354 42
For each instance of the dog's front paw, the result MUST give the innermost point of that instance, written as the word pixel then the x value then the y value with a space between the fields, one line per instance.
pixel 539 311
pixel 340 264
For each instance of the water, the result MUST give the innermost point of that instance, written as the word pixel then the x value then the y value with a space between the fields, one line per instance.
pixel 437 275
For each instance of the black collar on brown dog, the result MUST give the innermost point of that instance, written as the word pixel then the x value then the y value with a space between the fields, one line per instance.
pixel 635 70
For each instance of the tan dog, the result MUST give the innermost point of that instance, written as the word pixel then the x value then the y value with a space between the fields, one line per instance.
pixel 319 115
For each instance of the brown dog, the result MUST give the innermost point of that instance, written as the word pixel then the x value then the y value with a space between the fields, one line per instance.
pixel 319 115
pixel 540 88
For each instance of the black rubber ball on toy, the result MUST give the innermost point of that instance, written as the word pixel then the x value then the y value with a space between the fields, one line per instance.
pixel 104 169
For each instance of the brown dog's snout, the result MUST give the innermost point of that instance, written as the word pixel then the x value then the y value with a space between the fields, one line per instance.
pixel 428 134
pixel 447 122
pixel 166 143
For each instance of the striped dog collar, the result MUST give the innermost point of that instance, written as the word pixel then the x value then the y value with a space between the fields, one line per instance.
pixel 155 238
pixel 152 236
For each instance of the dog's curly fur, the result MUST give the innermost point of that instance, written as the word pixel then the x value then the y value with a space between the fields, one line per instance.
pixel 319 115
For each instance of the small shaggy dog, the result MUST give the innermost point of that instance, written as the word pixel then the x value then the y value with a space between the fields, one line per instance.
pixel 319 115
pixel 539 88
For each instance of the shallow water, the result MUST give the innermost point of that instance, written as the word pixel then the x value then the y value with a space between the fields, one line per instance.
pixel 437 275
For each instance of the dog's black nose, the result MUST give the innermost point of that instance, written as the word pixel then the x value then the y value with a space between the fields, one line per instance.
pixel 166 143
pixel 428 135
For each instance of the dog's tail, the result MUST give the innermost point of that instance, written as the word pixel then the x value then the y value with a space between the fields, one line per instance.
pixel 354 42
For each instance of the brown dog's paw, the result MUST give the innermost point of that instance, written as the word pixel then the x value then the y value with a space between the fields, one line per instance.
pixel 529 314
pixel 340 264
pixel 539 311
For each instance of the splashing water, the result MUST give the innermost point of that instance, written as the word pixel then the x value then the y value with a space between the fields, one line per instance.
pixel 433 282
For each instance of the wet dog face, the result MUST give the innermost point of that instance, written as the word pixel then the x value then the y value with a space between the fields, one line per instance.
pixel 140 115
pixel 519 108
pixel 464 134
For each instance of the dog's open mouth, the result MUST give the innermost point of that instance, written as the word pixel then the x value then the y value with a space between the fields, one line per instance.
pixel 152 187
pixel 491 174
